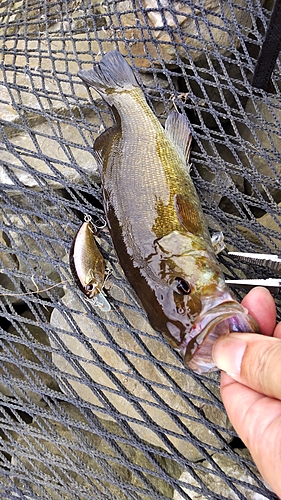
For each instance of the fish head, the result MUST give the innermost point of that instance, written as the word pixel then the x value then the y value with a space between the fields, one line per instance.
pixel 198 305
pixel 220 315
pixel 92 283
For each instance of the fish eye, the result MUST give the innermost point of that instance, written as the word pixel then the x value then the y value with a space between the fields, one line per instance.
pixel 182 286
pixel 89 287
pixel 180 310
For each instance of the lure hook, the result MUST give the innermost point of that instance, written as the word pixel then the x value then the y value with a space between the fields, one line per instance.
pixel 88 218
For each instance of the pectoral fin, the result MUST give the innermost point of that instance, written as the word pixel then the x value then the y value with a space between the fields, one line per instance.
pixel 218 242
pixel 189 215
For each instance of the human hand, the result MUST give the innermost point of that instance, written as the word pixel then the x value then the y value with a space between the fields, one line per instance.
pixel 251 385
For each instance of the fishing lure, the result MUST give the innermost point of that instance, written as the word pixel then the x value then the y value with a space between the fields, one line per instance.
pixel 87 264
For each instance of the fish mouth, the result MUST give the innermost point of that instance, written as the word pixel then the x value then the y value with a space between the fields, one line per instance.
pixel 219 321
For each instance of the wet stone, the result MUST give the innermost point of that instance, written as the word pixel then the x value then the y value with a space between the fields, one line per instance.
pixel 271 230
pixel 231 470
pixel 219 172
pixel 25 355
pixel 25 239
pixel 44 116
pixel 95 463
pixel 261 136
pixel 9 264
pixel 198 38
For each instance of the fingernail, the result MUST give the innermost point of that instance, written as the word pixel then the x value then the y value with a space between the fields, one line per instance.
pixel 228 353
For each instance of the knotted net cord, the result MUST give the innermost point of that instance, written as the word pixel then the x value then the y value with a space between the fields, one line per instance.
pixel 97 405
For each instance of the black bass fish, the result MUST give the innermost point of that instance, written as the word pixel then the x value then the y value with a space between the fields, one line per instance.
pixel 156 221
pixel 87 265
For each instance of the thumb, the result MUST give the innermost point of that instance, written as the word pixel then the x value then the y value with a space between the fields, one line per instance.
pixel 251 359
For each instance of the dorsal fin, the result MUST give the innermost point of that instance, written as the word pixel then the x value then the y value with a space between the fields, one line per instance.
pixel 177 129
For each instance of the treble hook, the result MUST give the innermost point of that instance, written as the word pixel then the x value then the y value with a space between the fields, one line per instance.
pixel 88 218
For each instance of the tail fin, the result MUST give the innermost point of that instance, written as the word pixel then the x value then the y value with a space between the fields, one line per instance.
pixel 111 73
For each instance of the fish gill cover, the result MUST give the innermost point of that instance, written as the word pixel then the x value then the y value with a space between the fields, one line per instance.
pixel 96 404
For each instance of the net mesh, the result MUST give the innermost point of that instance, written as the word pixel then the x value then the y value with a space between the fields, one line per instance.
pixel 94 404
